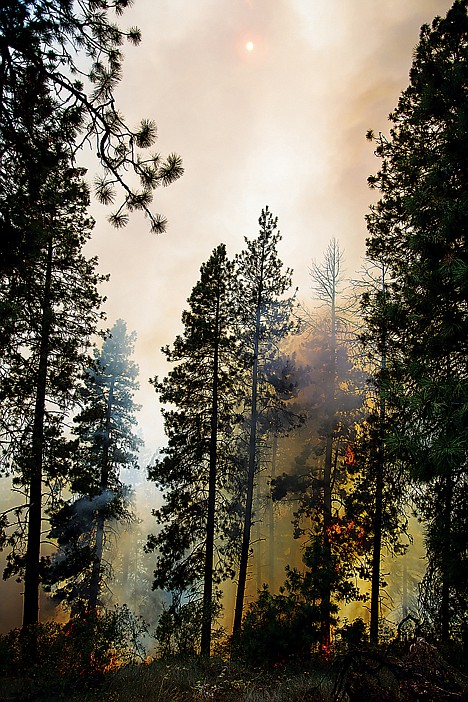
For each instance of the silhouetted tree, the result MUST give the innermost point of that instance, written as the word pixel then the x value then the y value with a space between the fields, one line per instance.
pixel 264 319
pixel 380 498
pixel 196 469
pixel 321 474
pixel 418 227
pixel 56 310
pixel 326 279
pixel 60 63
pixel 63 60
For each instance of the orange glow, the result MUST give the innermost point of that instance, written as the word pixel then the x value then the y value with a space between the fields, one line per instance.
pixel 350 458
pixel 114 663
pixel 326 648
pixel 249 46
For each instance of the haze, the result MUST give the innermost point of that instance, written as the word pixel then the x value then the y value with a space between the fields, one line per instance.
pixel 281 124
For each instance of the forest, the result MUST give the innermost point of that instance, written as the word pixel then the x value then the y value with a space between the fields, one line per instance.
pixel 306 526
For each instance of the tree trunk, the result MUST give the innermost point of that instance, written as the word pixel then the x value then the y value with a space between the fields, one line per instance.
pixel 271 521
pixel 376 553
pixel 33 549
pixel 205 645
pixel 378 506
pixel 404 597
pixel 95 580
pixel 377 527
pixel 250 479
pixel 325 605
pixel 446 558
pixel 258 536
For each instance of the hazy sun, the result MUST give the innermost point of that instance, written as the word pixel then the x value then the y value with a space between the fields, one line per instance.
pixel 249 46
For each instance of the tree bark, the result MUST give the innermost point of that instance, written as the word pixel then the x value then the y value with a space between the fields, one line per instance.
pixel 378 506
pixel 376 554
pixel 271 521
pixel 205 645
pixel 325 605
pixel 33 549
pixel 95 580
pixel 250 479
pixel 377 541
pixel 404 598
pixel 446 558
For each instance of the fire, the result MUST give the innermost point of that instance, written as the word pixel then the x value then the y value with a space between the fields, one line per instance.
pixel 350 457
pixel 84 652
pixel 114 663
pixel 98 665
pixel 69 628
pixel 347 535
pixel 326 649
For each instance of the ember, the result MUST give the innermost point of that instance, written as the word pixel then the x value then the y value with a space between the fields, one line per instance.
pixel 350 457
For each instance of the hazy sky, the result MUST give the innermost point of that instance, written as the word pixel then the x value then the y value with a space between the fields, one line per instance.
pixel 283 124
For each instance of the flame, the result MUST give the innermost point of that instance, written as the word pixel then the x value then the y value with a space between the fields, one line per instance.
pixel 69 627
pixel 350 456
pixel 114 663
pixel 97 666
pixel 326 649
pixel 344 533
pixel 76 651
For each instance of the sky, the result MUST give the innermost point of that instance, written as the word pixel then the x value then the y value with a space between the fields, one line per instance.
pixel 282 124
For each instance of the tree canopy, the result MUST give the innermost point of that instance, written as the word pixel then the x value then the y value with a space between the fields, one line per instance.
pixel 418 231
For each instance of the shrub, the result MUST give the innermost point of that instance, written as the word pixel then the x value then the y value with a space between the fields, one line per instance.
pixel 277 629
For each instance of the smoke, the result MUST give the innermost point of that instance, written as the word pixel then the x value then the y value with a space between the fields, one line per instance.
pixel 282 125
pixel 85 507
pixel 132 568
pixel 293 470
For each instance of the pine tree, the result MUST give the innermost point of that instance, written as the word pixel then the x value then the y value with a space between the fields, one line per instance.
pixel 63 60
pixel 264 319
pixel 56 308
pixel 418 228
pixel 60 64
pixel 380 498
pixel 326 278
pixel 196 469
pixel 105 444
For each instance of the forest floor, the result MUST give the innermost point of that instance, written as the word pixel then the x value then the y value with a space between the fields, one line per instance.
pixel 364 675
pixel 178 680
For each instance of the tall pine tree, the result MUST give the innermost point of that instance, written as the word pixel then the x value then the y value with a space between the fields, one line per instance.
pixel 321 476
pixel 106 443
pixel 196 469
pixel 418 228
pixel 56 309
pixel 264 320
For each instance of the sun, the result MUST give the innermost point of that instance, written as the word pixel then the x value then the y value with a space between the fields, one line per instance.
pixel 249 46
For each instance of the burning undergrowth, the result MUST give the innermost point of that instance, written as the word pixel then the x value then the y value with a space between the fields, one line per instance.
pixel 54 657
pixel 92 659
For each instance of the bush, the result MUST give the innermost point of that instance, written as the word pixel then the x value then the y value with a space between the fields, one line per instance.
pixel 353 633
pixel 277 630
pixel 55 656
pixel 179 628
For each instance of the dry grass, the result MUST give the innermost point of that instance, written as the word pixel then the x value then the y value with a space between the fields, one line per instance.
pixel 213 681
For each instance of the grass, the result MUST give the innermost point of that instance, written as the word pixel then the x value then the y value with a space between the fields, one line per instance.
pixel 182 680
pixel 356 674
